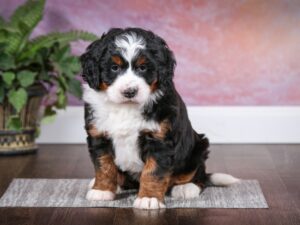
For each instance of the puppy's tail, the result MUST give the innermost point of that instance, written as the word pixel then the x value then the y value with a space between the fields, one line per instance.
pixel 221 179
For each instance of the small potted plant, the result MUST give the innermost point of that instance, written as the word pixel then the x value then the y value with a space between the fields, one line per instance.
pixel 35 76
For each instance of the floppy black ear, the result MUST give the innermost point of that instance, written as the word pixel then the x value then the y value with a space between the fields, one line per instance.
pixel 166 62
pixel 90 64
pixel 90 60
pixel 167 73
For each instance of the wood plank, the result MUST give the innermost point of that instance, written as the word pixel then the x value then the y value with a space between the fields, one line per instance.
pixel 275 166
pixel 145 217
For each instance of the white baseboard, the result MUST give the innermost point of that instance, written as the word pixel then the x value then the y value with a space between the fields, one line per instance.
pixel 220 124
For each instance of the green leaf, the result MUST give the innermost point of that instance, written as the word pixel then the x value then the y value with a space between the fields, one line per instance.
pixel 62 83
pixel 48 119
pixel 8 78
pixel 75 65
pixel 71 67
pixel 61 102
pixel 6 62
pixel 14 123
pixel 13 41
pixel 75 88
pixel 2 46
pixel 26 77
pixel 49 115
pixel 64 63
pixel 1 94
pixel 64 70
pixel 62 53
pixel 17 98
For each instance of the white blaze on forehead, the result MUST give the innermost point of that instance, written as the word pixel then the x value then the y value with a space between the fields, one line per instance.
pixel 129 44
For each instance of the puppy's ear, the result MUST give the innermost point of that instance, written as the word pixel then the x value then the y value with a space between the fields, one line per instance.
pixel 166 62
pixel 167 72
pixel 91 72
pixel 90 60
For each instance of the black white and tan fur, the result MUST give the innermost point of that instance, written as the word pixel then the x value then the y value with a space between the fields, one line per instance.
pixel 139 133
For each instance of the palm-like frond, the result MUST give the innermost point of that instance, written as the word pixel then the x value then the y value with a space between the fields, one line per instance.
pixel 29 14
pixel 51 38
pixel 61 37
pixel 25 18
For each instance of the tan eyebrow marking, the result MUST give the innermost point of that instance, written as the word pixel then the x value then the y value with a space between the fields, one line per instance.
pixel 117 60
pixel 141 60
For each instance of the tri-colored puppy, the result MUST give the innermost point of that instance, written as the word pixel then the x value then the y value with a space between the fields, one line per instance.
pixel 139 134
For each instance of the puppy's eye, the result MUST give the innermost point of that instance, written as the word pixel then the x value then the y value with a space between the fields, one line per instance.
pixel 142 68
pixel 115 68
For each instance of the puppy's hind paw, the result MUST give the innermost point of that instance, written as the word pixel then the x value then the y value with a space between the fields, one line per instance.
pixel 98 195
pixel 185 191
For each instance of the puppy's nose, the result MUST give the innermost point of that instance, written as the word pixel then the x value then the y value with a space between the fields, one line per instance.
pixel 130 92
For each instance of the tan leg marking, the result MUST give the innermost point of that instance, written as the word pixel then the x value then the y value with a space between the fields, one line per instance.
pixel 151 185
pixel 106 175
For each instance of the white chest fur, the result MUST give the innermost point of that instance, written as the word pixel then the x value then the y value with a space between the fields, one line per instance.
pixel 122 122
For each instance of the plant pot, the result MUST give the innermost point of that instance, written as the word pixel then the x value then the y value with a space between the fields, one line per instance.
pixel 23 141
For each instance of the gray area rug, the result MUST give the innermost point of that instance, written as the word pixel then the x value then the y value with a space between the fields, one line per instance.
pixel 71 193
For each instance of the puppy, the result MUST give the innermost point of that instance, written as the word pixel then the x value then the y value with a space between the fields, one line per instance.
pixel 139 134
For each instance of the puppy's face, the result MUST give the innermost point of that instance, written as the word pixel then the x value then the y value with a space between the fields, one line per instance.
pixel 129 66
pixel 128 72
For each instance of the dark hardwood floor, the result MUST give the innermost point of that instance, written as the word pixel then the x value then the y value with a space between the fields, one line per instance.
pixel 277 167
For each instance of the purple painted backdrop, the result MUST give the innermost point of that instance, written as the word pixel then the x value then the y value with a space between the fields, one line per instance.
pixel 229 52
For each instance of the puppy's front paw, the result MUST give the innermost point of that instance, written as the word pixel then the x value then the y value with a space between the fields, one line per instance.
pixel 148 203
pixel 98 195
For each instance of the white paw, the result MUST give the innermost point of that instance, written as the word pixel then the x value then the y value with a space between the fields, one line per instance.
pixel 148 203
pixel 185 191
pixel 98 195
pixel 92 182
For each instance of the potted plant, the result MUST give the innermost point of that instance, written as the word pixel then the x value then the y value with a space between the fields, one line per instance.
pixel 35 75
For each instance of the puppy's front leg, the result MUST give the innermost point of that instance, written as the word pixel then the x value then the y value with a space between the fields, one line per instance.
pixel 153 186
pixel 105 185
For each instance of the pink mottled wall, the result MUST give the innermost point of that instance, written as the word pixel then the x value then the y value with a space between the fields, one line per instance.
pixel 229 52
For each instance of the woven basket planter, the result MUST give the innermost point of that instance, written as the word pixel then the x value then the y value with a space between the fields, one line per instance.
pixel 21 142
